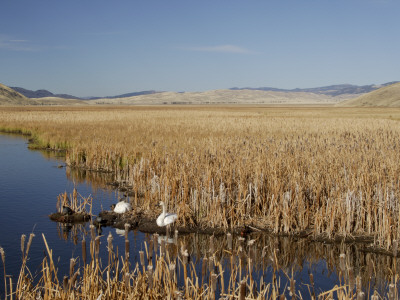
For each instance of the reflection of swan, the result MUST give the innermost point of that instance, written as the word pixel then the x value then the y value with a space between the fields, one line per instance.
pixel 166 218
pixel 121 207
pixel 167 240
pixel 120 232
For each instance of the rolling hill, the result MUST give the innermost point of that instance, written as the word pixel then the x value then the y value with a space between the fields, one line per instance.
pixel 10 97
pixel 388 96
pixel 226 97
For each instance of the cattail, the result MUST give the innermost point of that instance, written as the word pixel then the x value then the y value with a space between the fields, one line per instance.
pixel 28 246
pixel 84 249
pixel 150 276
pixel 176 237
pixel 92 232
pixel 264 252
pixel 23 237
pixel 361 295
pixel 312 285
pixel 210 264
pixel 127 227
pixel 392 292
pixel 162 248
pixel 352 282
pixel 212 245
pixel 358 284
pixel 72 263
pixel 97 247
pixel 155 239
pixel 141 254
pixel 65 283
pixel 213 284
pixel 109 242
pixel 242 290
pixel 375 296
pixel 204 266
pixel 395 247
pixel 127 250
pixel 127 279
pixel 229 240
pixel 292 289
pixel 109 247
pixel 150 253
pixel 73 279
pixel 342 262
pixel 3 258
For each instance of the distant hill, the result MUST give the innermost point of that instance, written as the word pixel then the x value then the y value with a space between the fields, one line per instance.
pixel 47 94
pixel 41 93
pixel 388 96
pixel 124 95
pixel 225 97
pixel 344 95
pixel 331 90
pixel 10 97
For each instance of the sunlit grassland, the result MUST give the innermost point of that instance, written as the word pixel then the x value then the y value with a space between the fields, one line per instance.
pixel 330 172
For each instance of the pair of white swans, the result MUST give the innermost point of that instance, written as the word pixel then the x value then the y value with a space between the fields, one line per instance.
pixel 163 220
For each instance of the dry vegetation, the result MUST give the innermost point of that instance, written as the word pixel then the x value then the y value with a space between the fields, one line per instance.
pixel 10 97
pixel 330 173
pixel 230 269
pixel 388 96
pixel 227 97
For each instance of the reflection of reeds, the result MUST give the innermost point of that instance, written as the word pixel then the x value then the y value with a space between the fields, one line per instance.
pixel 68 231
pixel 169 274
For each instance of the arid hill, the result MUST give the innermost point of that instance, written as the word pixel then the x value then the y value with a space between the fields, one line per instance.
pixel 10 97
pixel 227 97
pixel 388 96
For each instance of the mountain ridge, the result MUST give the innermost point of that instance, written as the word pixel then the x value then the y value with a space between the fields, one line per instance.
pixel 330 90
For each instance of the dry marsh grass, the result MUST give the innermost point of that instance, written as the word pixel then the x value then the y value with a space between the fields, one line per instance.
pixel 232 269
pixel 330 172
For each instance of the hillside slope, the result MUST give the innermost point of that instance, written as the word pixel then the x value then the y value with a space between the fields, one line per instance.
pixel 10 97
pixel 226 97
pixel 388 96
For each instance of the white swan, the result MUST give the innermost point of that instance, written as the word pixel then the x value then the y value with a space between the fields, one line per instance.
pixel 121 207
pixel 166 218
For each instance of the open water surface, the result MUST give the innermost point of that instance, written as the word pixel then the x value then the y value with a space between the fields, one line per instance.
pixel 30 182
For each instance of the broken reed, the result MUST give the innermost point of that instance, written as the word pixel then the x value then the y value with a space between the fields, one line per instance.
pixel 169 273
pixel 75 201
pixel 331 171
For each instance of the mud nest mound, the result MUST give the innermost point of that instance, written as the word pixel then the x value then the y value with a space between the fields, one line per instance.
pixel 72 218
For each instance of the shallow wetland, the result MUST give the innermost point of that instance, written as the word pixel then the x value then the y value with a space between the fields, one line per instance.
pixel 275 229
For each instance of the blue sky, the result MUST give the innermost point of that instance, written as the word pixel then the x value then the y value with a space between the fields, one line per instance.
pixel 103 47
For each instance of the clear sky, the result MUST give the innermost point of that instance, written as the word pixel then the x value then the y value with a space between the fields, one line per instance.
pixel 104 47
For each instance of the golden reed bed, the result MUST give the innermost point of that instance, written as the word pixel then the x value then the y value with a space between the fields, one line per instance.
pixel 327 172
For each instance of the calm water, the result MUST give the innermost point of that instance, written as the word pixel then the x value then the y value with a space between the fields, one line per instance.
pixel 30 182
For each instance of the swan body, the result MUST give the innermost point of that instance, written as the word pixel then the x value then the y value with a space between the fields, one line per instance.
pixel 122 207
pixel 166 218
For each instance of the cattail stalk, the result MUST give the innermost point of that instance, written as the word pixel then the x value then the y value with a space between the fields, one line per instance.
pixel 3 258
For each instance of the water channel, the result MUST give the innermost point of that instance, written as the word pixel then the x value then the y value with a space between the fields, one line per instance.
pixel 30 182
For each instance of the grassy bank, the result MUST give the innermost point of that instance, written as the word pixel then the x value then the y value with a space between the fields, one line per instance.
pixel 332 172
